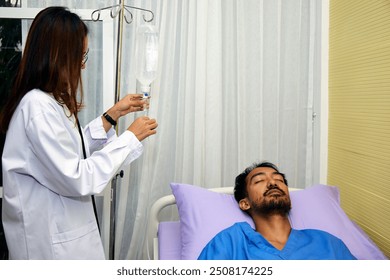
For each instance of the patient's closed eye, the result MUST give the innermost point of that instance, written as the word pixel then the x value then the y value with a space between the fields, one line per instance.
pixel 258 179
pixel 278 178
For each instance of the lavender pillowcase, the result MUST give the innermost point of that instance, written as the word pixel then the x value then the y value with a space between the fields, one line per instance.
pixel 204 213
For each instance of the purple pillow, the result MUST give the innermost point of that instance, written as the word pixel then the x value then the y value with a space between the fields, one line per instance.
pixel 204 213
pixel 169 240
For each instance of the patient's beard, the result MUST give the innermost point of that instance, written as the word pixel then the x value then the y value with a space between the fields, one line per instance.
pixel 272 206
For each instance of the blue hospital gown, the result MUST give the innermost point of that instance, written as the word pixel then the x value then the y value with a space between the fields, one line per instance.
pixel 242 242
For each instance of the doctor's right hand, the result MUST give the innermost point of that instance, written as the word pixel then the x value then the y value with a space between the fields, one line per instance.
pixel 143 127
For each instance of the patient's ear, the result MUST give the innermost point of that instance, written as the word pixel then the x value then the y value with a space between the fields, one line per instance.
pixel 244 205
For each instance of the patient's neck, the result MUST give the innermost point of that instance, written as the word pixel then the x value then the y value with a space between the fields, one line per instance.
pixel 275 228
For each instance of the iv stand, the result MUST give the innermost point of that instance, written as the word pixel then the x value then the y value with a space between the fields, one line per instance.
pixel 123 11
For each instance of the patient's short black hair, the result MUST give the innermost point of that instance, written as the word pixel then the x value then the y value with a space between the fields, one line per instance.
pixel 240 191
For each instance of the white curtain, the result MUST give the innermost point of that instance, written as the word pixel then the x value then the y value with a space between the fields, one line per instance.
pixel 236 85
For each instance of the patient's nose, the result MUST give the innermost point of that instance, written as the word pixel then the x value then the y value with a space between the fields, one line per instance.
pixel 271 183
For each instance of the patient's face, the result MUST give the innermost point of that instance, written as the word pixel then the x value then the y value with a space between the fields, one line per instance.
pixel 267 191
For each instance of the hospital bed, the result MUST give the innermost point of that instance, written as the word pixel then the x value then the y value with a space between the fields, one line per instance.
pixel 204 212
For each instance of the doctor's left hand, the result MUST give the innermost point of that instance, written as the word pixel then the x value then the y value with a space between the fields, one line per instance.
pixel 129 103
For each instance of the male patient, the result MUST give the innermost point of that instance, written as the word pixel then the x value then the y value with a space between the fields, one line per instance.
pixel 261 191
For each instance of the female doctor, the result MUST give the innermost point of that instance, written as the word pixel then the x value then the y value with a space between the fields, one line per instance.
pixel 51 168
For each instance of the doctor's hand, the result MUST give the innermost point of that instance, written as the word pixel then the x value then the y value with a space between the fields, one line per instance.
pixel 143 127
pixel 129 103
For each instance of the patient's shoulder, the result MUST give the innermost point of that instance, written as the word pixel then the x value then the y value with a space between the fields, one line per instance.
pixel 316 235
pixel 316 232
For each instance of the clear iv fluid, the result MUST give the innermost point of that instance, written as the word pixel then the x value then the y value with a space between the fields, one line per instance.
pixel 146 56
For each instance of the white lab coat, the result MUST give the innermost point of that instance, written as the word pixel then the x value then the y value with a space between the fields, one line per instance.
pixel 47 207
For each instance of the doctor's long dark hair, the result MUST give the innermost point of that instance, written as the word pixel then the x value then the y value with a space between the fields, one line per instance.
pixel 51 61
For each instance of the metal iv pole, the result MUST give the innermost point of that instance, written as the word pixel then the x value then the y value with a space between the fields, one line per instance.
pixel 125 14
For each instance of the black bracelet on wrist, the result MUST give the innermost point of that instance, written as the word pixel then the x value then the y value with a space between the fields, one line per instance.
pixel 109 119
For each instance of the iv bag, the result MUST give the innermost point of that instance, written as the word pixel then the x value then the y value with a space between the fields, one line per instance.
pixel 146 56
